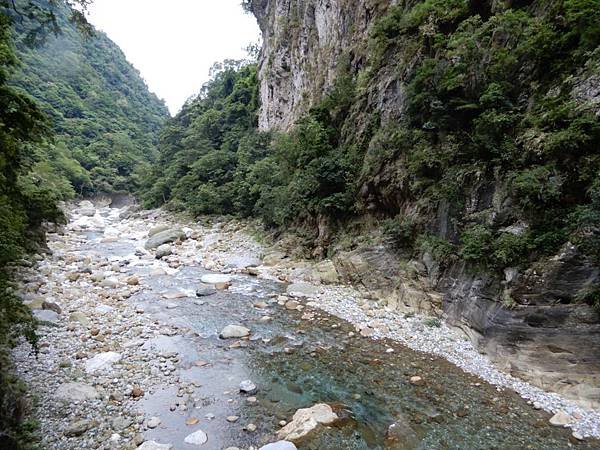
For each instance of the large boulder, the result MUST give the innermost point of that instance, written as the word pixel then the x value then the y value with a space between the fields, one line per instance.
pixel 234 331
pixel 305 421
pixel 165 237
pixel 325 272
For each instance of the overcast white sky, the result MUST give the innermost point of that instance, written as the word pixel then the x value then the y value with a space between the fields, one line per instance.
pixel 173 43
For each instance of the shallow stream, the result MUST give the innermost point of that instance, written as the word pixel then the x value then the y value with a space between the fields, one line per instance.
pixel 297 363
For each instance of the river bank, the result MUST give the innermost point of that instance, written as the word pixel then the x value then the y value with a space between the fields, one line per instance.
pixel 130 353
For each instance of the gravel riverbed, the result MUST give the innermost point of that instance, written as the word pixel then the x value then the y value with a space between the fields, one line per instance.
pixel 90 326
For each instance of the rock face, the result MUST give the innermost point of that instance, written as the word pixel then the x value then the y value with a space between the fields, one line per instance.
pixel 305 421
pixel 303 43
pixel 552 345
pixel 164 237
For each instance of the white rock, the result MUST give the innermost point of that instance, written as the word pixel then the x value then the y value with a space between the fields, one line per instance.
pixel 197 438
pixel 46 316
pixel 234 331
pixel 306 420
pixel 561 419
pixel 75 392
pixel 102 361
pixel 280 445
pixel 248 387
pixel 215 279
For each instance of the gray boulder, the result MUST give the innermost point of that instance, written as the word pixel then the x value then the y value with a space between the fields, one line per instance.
pixel 164 250
pixel 164 237
pixel 46 316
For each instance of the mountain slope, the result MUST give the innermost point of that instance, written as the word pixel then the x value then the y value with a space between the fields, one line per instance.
pixel 99 106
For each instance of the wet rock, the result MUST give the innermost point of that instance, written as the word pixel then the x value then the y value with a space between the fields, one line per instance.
pixel 163 250
pixel 46 316
pixel 234 331
pixel 280 445
pixel 205 290
pixel 302 290
pixel 76 392
pixel 233 419
pixel 192 421
pixel 248 387
pixel 153 445
pixel 250 428
pixel 51 306
pixel 401 436
pixel 102 361
pixel 164 237
pixel 215 279
pixel 305 421
pixel 561 419
pixel 153 422
pixel 417 381
pixel 80 427
pixel 197 438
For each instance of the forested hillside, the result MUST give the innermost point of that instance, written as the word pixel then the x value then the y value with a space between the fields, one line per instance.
pixel 75 118
pixel 105 120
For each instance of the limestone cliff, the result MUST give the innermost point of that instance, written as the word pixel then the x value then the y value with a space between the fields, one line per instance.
pixel 304 44
pixel 525 317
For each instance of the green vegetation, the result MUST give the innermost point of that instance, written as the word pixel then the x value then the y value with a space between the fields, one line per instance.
pixel 75 118
pixel 106 122
pixel 490 111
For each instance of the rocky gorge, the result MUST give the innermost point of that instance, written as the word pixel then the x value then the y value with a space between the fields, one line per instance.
pixel 220 342
pixel 527 316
